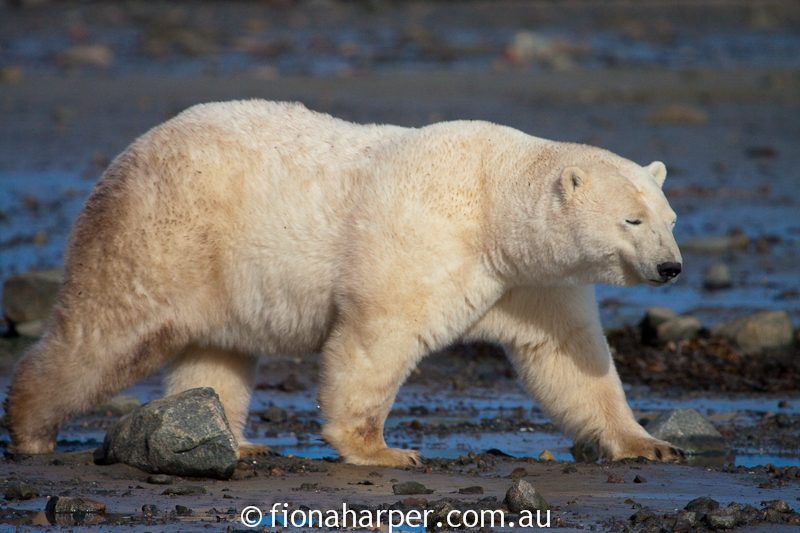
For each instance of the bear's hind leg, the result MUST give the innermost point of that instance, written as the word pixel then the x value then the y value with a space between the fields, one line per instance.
pixel 230 374
pixel 74 367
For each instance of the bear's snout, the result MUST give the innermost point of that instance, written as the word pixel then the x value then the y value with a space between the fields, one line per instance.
pixel 668 270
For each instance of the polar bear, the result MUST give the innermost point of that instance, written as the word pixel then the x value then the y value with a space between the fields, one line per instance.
pixel 253 227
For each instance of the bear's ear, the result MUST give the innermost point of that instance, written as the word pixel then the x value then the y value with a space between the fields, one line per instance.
pixel 573 178
pixel 658 171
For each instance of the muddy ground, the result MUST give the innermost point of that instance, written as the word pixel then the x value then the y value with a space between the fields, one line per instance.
pixel 711 88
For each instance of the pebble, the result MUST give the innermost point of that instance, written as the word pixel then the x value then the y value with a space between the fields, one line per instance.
pixel 717 277
pixel 160 479
pixel 546 456
pixel 149 510
pixel 758 332
pixel 639 479
pixel 720 520
pixel 702 505
pixel 585 452
pixel 518 472
pixel 410 487
pixel 186 434
pixel 614 478
pixel 184 490
pixel 716 245
pixel 678 114
pixel 687 429
pixel 64 504
pixel 274 414
pixel 20 490
pixel 679 328
pixel 87 55
pixel 182 510
pixel 523 496
pixel 476 489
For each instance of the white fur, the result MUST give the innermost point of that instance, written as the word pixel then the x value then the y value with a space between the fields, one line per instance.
pixel 256 227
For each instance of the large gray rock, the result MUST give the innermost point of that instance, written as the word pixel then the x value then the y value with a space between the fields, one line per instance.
pixel 761 331
pixel 186 435
pixel 523 496
pixel 29 297
pixel 687 429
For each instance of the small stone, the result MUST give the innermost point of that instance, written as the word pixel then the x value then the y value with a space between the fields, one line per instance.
pixel 717 277
pixel 32 329
pixel 639 479
pixel 410 487
pixel 118 406
pixel 64 504
pixel 20 490
pixel 758 332
pixel 149 510
pixel 476 489
pixel 87 55
pixel 160 479
pixel 678 329
pixel 687 429
pixel 182 510
pixel 614 478
pixel 777 505
pixel 30 296
pixel 642 515
pixel 186 434
pixel 184 490
pixel 585 452
pixel 518 472
pixel 523 496
pixel 720 520
pixel 11 74
pixel 702 505
pixel 685 521
pixel 678 114
pixel 274 415
pixel 716 245
pixel 309 487
pixel 546 456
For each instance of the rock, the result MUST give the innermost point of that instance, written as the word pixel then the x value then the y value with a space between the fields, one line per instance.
pixel 717 277
pixel 476 489
pixel 687 429
pixel 182 510
pixel 410 487
pixel 118 406
pixel 546 456
pixel 639 479
pixel 11 74
pixel 676 329
pixel 758 332
pixel 716 245
pixel 160 479
pixel 678 114
pixel 184 490
pixel 86 55
pixel 614 478
pixel 702 505
pixel 274 414
pixel 32 329
pixel 685 522
pixel 64 504
pixel 776 505
pixel 523 496
pixel 30 296
pixel 19 490
pixel 518 472
pixel 149 510
pixel 585 452
pixel 186 434
pixel 720 520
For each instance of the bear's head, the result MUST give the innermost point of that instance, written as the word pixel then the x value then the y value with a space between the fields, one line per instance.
pixel 618 220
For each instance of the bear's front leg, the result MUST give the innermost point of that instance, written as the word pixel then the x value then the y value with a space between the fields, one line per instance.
pixel 556 343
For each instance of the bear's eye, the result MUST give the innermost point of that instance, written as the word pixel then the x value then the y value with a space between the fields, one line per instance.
pixel 633 221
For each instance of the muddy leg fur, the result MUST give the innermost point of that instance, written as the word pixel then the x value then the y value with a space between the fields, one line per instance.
pixel 74 367
pixel 564 361
pixel 230 374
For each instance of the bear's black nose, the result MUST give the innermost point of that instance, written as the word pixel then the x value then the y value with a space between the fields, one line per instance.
pixel 668 270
